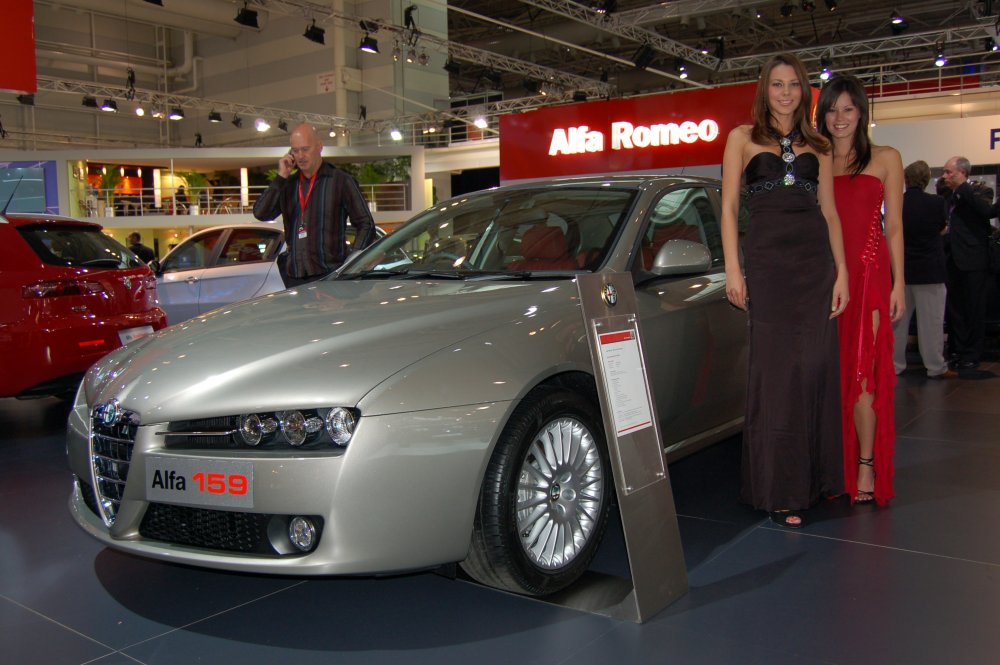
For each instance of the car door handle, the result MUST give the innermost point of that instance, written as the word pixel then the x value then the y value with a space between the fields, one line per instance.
pixel 191 280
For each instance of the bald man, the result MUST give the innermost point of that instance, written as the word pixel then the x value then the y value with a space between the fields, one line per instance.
pixel 316 201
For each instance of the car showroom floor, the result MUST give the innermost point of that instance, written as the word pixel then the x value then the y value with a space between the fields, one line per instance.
pixel 918 582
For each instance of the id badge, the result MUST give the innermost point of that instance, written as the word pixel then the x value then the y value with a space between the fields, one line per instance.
pixel 302 233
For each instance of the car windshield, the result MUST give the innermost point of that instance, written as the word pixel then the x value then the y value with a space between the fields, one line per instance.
pixel 77 246
pixel 502 233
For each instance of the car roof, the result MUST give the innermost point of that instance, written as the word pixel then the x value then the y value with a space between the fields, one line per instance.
pixel 26 218
pixel 619 179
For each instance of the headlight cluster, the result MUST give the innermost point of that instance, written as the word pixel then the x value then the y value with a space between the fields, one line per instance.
pixel 297 428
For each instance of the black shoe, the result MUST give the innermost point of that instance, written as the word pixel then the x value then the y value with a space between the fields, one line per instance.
pixel 789 519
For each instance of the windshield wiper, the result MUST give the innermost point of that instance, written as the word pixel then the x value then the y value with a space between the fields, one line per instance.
pixel 104 263
pixel 405 273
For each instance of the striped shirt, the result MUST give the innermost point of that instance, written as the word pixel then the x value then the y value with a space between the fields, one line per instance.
pixel 334 199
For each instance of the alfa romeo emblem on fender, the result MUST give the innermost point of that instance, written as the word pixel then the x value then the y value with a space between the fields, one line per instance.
pixel 610 295
pixel 127 281
pixel 109 413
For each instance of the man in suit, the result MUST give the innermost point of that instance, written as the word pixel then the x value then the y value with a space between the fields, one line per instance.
pixel 968 266
pixel 925 217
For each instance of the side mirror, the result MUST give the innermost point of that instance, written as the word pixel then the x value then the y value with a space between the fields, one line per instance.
pixel 682 257
pixel 154 265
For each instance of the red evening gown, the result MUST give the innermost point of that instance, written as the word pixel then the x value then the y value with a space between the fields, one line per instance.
pixel 866 358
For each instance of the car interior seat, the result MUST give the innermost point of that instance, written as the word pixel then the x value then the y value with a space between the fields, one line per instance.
pixel 544 248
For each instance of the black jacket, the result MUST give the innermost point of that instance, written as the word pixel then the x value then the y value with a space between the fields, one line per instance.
pixel 969 229
pixel 924 218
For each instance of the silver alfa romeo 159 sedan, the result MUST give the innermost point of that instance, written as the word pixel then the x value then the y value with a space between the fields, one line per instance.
pixel 433 402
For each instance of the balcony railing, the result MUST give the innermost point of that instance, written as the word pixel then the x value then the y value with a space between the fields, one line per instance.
pixel 384 197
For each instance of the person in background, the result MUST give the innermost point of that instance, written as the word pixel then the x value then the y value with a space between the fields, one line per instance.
pixel 794 286
pixel 316 201
pixel 867 177
pixel 144 253
pixel 968 268
pixel 925 217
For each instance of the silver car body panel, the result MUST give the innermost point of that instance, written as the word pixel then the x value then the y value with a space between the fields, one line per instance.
pixel 435 367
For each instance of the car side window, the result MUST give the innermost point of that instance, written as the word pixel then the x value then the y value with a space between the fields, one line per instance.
pixel 248 246
pixel 193 253
pixel 681 214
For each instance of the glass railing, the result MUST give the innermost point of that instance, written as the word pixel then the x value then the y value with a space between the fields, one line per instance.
pixel 223 200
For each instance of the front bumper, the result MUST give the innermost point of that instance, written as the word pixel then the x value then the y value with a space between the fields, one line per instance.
pixel 401 496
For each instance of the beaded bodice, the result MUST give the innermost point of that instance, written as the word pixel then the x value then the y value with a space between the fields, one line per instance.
pixel 767 172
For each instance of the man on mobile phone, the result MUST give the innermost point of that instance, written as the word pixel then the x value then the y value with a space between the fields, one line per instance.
pixel 316 201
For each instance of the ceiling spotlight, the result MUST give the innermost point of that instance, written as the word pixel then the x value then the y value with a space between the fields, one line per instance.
pixel 237 121
pixel 720 48
pixel 825 63
pixel 644 56
pixel 333 133
pixel 989 44
pixel 606 7
pixel 214 116
pixel 831 5
pixel 262 125
pixel 579 96
pixel 808 6
pixel 940 60
pixel 27 100
pixel 480 122
pixel 282 125
pixel 531 86
pixel 368 44
pixel 110 105
pixel 452 67
pixel 411 55
pixel 315 34
pixel 158 114
pixel 681 68
pixel 395 134
pixel 176 113
pixel 90 102
pixel 247 17
pixel 423 58
pixel 787 9
pixel 494 77
pixel 898 24
pixel 397 53
pixel 139 111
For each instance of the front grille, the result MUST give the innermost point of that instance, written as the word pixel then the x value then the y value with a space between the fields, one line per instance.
pixel 212 529
pixel 112 437
pixel 87 492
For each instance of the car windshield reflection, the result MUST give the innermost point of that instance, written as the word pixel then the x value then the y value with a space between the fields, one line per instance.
pixel 520 234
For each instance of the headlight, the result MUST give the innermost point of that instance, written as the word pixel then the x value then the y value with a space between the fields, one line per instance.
pixel 293 426
pixel 340 425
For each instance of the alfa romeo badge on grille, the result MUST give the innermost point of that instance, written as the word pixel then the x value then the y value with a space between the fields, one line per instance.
pixel 110 412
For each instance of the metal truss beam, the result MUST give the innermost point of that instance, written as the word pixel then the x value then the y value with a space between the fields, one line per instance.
pixel 883 46
pixel 311 10
pixel 627 28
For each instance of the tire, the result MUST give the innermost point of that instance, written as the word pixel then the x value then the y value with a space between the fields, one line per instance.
pixel 545 498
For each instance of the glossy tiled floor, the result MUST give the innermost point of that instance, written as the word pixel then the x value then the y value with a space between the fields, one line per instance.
pixel 915 583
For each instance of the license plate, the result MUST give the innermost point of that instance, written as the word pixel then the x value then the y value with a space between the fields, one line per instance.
pixel 132 334
pixel 196 482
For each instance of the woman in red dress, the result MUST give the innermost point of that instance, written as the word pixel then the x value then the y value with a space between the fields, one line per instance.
pixel 867 180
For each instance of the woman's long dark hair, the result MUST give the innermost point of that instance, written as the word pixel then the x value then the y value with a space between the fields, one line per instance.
pixel 862 143
pixel 763 122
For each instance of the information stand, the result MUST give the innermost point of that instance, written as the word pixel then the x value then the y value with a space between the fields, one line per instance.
pixel 646 501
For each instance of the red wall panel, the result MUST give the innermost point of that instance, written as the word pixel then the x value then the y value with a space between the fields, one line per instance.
pixel 17 34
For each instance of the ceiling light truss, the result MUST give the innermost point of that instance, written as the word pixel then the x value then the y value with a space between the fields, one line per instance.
pixel 167 101
pixel 452 49
pixel 621 25
pixel 881 46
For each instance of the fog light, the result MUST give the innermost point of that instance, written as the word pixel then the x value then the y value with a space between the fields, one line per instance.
pixel 340 425
pixel 302 533
pixel 293 426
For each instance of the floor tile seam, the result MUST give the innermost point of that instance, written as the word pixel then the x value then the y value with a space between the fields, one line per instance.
pixel 212 616
pixel 746 533
pixel 904 550
pixel 49 619
pixel 116 652
pixel 583 648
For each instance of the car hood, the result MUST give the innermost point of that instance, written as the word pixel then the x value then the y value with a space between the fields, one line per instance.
pixel 323 344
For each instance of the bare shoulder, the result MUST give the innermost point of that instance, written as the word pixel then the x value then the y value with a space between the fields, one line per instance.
pixel 740 134
pixel 886 155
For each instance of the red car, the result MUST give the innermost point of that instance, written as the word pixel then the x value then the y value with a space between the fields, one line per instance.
pixel 69 294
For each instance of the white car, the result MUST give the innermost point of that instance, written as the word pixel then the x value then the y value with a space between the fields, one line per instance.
pixel 217 267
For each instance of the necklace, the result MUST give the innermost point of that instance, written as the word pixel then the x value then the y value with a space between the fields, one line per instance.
pixel 787 156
